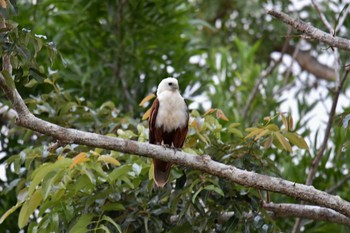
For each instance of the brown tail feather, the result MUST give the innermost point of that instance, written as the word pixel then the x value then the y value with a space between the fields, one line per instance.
pixel 161 172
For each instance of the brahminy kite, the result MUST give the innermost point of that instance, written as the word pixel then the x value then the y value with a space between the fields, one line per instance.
pixel 168 124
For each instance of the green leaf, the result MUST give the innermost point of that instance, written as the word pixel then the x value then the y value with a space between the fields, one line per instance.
pixel 47 184
pixel 119 172
pixel 215 189
pixel 111 221
pixel 10 211
pixel 81 224
pixel 261 134
pixel 29 207
pixel 196 194
pixel 272 127
pixel 254 132
pixel 44 169
pixel 31 83
pixel 38 44
pixel 285 144
pixel 235 131
pixel 295 139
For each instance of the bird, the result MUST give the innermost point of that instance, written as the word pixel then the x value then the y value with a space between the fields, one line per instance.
pixel 168 125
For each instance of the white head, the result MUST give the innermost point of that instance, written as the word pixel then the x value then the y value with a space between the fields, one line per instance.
pixel 168 84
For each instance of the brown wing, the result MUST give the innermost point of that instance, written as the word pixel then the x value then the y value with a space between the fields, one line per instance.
pixel 180 134
pixel 155 135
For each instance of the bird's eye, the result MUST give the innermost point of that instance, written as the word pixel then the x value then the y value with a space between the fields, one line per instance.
pixel 170 84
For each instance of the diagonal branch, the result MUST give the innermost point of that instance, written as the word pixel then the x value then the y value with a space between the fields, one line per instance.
pixel 323 17
pixel 317 160
pixel 283 210
pixel 315 33
pixel 203 163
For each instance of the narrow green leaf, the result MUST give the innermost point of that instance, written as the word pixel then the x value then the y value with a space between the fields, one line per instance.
pixel 254 132
pixel 262 134
pixel 29 207
pixel 283 142
pixel 272 127
pixel 44 169
pixel 10 211
pixel 104 228
pixel 47 184
pixel 196 194
pixel 235 131
pixel 119 172
pixel 111 221
pixel 81 224
pixel 215 189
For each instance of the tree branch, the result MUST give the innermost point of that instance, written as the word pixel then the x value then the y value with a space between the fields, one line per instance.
pixel 315 33
pixel 306 211
pixel 310 64
pixel 317 160
pixel 323 17
pixel 203 163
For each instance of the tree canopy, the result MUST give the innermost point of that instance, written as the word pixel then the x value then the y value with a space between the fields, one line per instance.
pixel 268 98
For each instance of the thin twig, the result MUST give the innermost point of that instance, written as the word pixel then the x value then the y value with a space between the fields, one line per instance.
pixel 317 160
pixel 333 41
pixel 323 17
pixel 338 185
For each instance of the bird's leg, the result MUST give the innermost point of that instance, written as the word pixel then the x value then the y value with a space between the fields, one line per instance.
pixel 165 146
pixel 175 148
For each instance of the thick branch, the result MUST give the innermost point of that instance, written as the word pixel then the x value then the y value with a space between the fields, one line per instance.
pixel 315 33
pixel 203 163
pixel 310 64
pixel 306 211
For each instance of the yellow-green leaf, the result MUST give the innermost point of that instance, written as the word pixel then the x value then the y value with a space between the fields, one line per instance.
pixel 254 132
pixel 234 125
pixel 29 207
pixel 261 134
pixel 10 211
pixel 295 139
pixel 285 144
pixel 108 159
pixel 147 114
pixel 31 83
pixel 272 127
pixel 147 98
pixel 236 132
pixel 250 129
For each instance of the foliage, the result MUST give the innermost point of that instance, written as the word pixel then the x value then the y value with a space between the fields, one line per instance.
pixel 88 66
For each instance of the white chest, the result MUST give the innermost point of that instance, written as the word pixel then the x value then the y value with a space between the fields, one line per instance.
pixel 172 112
